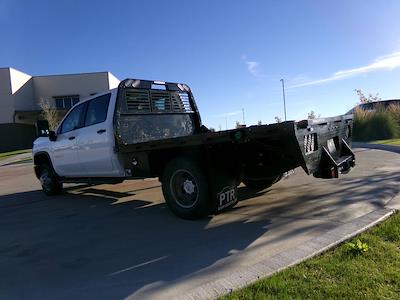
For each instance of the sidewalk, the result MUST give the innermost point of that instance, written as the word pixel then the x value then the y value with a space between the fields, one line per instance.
pixel 16 158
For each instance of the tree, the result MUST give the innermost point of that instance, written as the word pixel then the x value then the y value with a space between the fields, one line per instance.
pixel 370 98
pixel 211 129
pixel 312 115
pixel 278 119
pixel 259 122
pixel 237 124
pixel 49 113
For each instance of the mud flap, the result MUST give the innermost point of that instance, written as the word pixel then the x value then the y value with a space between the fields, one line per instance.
pixel 223 190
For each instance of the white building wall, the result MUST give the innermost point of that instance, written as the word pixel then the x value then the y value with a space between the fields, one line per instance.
pixel 84 85
pixel 22 92
pixel 6 98
pixel 18 79
pixel 113 81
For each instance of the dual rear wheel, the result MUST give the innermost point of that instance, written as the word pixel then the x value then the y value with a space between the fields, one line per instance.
pixel 186 189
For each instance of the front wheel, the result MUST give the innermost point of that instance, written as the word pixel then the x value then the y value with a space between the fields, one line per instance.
pixel 48 180
pixel 185 188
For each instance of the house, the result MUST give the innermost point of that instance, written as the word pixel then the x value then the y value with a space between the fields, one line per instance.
pixel 20 94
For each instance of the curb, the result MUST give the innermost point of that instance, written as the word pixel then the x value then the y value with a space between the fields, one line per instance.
pixel 391 148
pixel 286 259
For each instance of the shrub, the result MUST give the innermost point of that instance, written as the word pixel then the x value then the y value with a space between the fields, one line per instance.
pixel 394 110
pixel 358 247
pixel 379 124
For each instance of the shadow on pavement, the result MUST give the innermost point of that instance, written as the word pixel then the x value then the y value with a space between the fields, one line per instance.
pixel 88 245
pixel 79 246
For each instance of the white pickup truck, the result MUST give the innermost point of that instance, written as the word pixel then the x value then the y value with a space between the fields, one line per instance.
pixel 153 129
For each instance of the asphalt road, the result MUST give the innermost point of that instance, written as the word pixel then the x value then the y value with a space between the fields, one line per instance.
pixel 121 241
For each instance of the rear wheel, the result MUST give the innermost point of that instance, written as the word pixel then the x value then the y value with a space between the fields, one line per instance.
pixel 185 188
pixel 262 183
pixel 48 180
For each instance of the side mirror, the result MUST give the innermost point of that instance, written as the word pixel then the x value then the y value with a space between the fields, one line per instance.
pixel 52 136
pixel 42 128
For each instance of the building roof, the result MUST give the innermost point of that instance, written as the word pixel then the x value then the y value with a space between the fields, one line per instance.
pixel 66 74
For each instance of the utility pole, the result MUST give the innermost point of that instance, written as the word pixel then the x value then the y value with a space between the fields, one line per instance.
pixel 226 123
pixel 243 116
pixel 283 93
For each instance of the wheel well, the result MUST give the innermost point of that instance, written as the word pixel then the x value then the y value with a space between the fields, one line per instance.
pixel 40 159
pixel 159 159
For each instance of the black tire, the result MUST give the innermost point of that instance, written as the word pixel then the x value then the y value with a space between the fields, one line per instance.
pixel 50 185
pixel 262 183
pixel 185 188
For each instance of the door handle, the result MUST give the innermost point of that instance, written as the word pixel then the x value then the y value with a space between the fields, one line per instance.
pixel 100 131
pixel 71 138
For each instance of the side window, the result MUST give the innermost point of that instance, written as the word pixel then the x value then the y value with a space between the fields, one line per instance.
pixel 73 120
pixel 97 110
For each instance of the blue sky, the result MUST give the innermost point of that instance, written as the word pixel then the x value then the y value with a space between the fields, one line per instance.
pixel 232 53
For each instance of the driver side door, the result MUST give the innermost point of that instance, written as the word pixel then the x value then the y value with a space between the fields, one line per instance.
pixel 65 153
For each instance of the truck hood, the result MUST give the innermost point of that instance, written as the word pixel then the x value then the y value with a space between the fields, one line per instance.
pixel 41 143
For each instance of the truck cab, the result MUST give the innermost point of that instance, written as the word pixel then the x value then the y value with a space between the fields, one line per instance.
pixel 83 145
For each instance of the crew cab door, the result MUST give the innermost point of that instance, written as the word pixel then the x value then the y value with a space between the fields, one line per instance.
pixel 65 155
pixel 96 141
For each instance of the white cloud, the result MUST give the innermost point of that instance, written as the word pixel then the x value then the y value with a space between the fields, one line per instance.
pixel 387 62
pixel 228 114
pixel 252 67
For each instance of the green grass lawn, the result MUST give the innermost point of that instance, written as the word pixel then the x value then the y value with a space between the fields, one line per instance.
pixel 387 142
pixel 340 273
pixel 6 155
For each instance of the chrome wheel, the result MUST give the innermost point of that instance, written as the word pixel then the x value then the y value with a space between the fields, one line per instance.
pixel 184 188
pixel 49 182
pixel 46 181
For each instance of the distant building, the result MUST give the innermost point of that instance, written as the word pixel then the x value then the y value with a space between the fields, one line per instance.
pixel 20 94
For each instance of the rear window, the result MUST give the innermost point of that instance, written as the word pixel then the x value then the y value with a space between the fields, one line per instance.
pixel 97 110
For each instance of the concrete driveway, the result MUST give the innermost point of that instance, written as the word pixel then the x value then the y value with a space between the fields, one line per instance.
pixel 121 241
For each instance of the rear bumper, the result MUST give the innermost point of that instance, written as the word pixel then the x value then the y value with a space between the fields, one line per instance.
pixel 325 146
pixel 332 165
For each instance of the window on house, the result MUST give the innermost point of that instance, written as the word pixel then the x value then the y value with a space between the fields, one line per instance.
pixel 66 102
